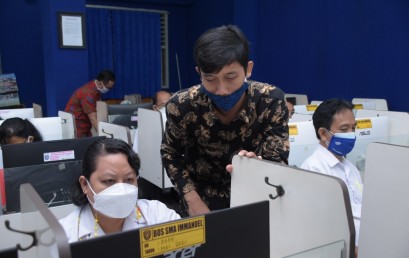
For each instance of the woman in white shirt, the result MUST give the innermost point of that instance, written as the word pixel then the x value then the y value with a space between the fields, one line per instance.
pixel 107 194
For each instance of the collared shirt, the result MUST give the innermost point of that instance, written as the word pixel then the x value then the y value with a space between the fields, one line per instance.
pixel 83 102
pixel 80 224
pixel 197 146
pixel 324 162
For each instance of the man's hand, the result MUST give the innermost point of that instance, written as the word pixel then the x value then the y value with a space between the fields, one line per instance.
pixel 244 153
pixel 195 204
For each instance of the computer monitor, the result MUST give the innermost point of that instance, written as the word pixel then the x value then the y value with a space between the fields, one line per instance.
pixel 50 167
pixel 35 153
pixel 126 114
pixel 239 232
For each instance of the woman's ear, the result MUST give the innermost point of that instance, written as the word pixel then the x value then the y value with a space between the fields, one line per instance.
pixel 30 138
pixel 84 186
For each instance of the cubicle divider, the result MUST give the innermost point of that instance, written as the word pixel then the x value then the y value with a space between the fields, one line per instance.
pixel 385 204
pixel 24 113
pixel 303 141
pixel 300 99
pixel 49 127
pixel 39 234
pixel 309 212
pixel 150 133
pixel 374 104
pixel 114 131
pixel 69 130
pixel 199 237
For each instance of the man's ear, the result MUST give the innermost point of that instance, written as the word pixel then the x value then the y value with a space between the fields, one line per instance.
pixel 250 66
pixel 322 132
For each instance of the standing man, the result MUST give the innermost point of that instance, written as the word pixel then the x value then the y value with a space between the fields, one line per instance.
pixel 223 115
pixel 83 103
pixel 334 124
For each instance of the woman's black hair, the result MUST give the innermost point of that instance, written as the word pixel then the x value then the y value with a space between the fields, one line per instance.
pixel 18 127
pixel 219 47
pixel 100 148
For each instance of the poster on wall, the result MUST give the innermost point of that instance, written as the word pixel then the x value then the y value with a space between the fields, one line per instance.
pixel 8 90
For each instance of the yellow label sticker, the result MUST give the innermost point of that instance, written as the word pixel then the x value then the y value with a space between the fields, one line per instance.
pixel 157 240
pixel 358 106
pixel 293 130
pixel 363 123
pixel 311 107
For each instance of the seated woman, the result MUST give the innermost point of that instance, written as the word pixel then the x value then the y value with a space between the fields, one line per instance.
pixel 107 194
pixel 17 130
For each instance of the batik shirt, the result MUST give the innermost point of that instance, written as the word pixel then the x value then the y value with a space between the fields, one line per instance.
pixel 197 146
pixel 83 102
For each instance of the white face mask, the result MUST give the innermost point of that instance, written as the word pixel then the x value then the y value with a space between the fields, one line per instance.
pixel 116 201
pixel 103 89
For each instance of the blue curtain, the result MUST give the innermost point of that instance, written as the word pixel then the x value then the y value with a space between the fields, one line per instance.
pixel 99 41
pixel 135 50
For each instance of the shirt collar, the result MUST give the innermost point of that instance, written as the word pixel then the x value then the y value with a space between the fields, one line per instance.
pixel 328 156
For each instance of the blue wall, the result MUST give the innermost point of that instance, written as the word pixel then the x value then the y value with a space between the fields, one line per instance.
pixel 349 48
pixel 342 49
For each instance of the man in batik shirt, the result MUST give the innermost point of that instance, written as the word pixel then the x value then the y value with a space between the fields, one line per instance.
pixel 83 103
pixel 224 115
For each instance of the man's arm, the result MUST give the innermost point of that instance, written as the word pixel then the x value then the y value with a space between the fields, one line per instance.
pixel 93 118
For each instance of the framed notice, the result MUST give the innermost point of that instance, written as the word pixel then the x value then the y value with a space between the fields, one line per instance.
pixel 71 30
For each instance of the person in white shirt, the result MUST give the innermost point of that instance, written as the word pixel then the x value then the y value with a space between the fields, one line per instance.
pixel 334 124
pixel 107 194
pixel 159 101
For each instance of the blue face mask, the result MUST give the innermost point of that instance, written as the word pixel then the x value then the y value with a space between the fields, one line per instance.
pixel 226 103
pixel 341 143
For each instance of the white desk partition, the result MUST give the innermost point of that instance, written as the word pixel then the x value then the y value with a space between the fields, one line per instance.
pixel 17 112
pixel 369 129
pixel 69 131
pixel 398 121
pixel 38 110
pixel 150 132
pixel 313 212
pixel 102 111
pixel 305 109
pixel 114 131
pixel 49 127
pixel 303 142
pixel 376 104
pixel 300 99
pixel 300 118
pixel 35 217
pixel 385 206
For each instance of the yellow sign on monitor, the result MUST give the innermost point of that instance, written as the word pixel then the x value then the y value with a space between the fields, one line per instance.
pixel 363 123
pixel 293 130
pixel 311 107
pixel 157 240
pixel 358 106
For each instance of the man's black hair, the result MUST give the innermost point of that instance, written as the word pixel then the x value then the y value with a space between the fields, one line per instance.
pixel 105 76
pixel 324 114
pixel 219 47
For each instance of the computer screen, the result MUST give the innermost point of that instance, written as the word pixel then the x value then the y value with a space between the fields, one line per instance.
pixel 53 182
pixel 239 232
pixel 126 114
